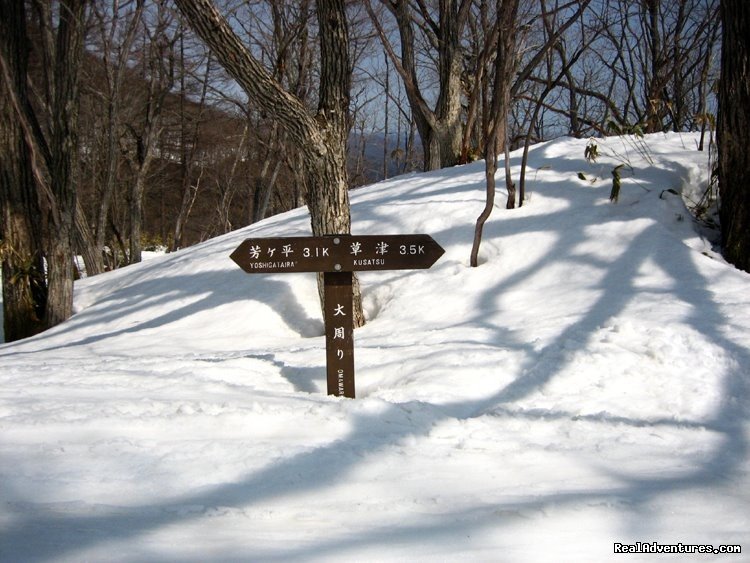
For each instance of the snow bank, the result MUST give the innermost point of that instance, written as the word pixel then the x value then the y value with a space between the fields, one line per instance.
pixel 586 385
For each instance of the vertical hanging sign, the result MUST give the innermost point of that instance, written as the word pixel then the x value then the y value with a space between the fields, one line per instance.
pixel 339 333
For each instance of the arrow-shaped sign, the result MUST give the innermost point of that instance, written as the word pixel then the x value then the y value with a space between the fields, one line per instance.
pixel 337 256
pixel 337 253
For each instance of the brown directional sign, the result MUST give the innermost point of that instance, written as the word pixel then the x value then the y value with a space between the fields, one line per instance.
pixel 339 333
pixel 337 256
pixel 337 253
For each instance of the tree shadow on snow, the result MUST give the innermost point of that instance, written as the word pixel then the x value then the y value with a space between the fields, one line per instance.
pixel 180 297
pixel 42 536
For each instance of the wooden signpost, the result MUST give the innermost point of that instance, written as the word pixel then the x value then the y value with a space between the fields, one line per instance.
pixel 337 256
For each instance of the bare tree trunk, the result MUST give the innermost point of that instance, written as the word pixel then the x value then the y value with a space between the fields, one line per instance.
pixel 160 61
pixel 440 128
pixel 328 198
pixel 64 164
pixel 479 86
pixel 187 148
pixel 703 85
pixel 136 204
pixel 496 136
pixel 490 167
pixel 189 194
pixel 321 138
pixel 732 133
pixel 229 189
pixel 50 224
pixel 387 89
pixel 265 188
pixel 655 82
pixel 85 244
pixel 24 288
pixel 114 70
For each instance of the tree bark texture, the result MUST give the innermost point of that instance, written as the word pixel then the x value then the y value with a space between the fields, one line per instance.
pixel 496 134
pixel 64 165
pixel 733 133
pixel 257 83
pixel 85 244
pixel 321 138
pixel 24 288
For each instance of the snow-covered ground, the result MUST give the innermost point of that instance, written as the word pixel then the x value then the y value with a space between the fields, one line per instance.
pixel 586 385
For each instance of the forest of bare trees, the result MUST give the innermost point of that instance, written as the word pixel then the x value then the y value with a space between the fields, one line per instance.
pixel 127 124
